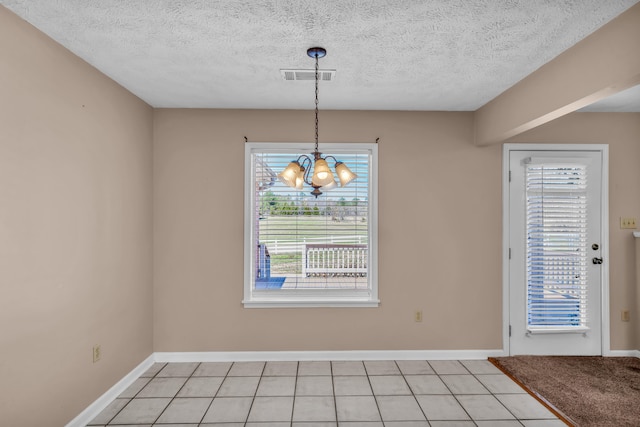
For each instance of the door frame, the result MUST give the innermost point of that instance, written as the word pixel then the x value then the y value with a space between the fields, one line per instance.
pixel 604 212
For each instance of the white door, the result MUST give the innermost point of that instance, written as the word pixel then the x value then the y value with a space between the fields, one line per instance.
pixel 555 241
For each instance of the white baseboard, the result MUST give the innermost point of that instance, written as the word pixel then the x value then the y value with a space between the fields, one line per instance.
pixel 103 401
pixel 279 356
pixel 623 353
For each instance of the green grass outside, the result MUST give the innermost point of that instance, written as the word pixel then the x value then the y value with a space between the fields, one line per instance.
pixel 295 229
pixel 285 227
pixel 286 264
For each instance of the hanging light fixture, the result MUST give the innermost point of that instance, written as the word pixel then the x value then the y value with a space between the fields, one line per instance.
pixel 297 173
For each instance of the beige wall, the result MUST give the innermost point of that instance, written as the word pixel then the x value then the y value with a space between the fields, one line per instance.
pixel 622 132
pixel 75 229
pixel 440 239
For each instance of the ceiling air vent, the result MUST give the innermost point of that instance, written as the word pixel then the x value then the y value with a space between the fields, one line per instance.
pixel 324 75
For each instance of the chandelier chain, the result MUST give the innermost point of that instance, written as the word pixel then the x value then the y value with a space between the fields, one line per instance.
pixel 316 55
pixel 298 172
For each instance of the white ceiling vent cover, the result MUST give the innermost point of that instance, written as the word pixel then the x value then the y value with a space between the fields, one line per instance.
pixel 324 75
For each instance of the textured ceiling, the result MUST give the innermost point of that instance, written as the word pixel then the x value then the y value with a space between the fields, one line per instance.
pixel 389 54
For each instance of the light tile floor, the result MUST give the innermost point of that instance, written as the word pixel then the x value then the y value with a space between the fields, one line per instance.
pixel 441 393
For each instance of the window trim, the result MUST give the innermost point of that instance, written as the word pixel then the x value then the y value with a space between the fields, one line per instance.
pixel 257 298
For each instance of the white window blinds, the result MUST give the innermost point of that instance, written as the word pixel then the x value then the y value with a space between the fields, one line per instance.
pixel 304 248
pixel 556 212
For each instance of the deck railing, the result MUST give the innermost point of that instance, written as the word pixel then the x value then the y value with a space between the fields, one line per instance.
pixel 334 260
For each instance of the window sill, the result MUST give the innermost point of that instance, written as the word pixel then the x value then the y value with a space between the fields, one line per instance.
pixel 558 330
pixel 311 303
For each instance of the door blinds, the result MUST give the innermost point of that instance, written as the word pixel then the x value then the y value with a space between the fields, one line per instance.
pixel 556 221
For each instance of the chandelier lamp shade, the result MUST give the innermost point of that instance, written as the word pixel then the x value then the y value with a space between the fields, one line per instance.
pixel 299 171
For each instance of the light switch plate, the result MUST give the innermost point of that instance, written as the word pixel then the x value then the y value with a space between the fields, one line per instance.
pixel 628 223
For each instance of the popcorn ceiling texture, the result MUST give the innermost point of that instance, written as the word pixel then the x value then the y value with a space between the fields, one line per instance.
pixel 389 54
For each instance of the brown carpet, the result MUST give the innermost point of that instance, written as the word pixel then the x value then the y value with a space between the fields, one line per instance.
pixel 586 391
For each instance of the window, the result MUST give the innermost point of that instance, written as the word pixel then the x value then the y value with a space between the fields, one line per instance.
pixel 307 251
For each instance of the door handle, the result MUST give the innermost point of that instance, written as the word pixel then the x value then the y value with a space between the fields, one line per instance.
pixel 597 260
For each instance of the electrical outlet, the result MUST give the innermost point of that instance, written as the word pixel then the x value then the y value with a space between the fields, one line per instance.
pixel 628 223
pixel 417 316
pixel 625 316
pixel 97 353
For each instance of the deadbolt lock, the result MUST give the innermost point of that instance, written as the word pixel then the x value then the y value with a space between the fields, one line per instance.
pixel 595 247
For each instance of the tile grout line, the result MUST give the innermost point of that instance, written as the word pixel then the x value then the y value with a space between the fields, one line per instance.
pixel 333 388
pixel 451 391
pixel 134 396
pixel 224 377
pixel 215 394
pixel 411 390
pixel 295 388
pixel 494 396
pixel 255 393
pixel 375 398
pixel 174 396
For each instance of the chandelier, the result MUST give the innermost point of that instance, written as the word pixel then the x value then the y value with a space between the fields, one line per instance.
pixel 298 172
